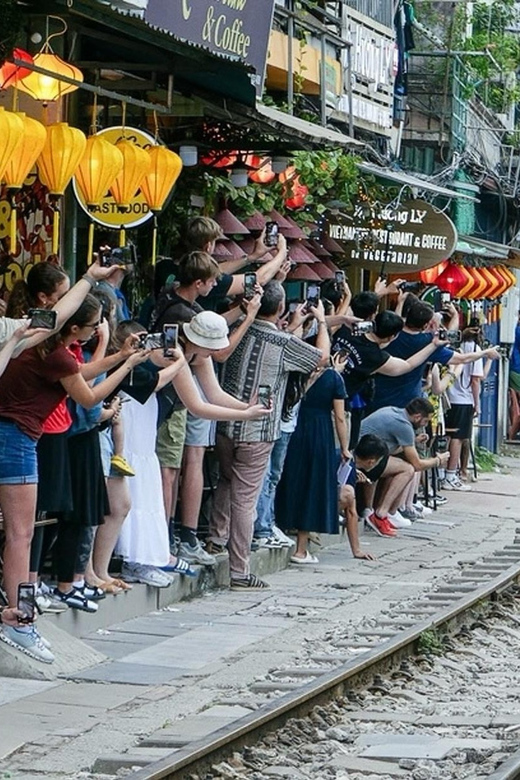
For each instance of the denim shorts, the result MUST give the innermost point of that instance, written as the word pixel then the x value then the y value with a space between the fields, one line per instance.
pixel 18 462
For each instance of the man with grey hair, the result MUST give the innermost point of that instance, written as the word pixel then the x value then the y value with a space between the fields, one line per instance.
pixel 264 358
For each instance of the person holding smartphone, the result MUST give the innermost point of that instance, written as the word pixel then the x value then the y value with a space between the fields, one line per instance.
pixel 32 386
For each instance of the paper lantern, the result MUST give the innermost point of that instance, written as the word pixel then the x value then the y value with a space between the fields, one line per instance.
pixel 27 151
pixel 472 284
pixel 264 172
pixel 10 74
pixel 498 286
pixel 136 164
pixel 297 194
pixel 480 282
pixel 492 283
pixel 219 159
pixel 99 166
pixel 452 279
pixel 61 156
pixel 429 275
pixel 46 88
pixel 11 136
pixel 165 168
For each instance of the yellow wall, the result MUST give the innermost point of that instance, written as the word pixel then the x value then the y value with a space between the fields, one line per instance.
pixel 306 61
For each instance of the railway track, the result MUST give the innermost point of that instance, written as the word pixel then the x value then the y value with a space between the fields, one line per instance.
pixel 353 661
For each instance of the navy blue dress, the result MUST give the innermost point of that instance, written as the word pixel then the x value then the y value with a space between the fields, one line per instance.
pixel 307 496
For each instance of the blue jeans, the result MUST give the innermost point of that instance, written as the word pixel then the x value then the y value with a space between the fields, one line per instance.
pixel 265 505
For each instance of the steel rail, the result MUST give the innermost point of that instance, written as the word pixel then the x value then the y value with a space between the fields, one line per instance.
pixel 207 751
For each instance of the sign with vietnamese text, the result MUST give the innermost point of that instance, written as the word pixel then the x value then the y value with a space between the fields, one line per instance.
pixel 408 238
pixel 235 28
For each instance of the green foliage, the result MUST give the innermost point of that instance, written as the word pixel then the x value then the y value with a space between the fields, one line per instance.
pixel 486 460
pixel 430 642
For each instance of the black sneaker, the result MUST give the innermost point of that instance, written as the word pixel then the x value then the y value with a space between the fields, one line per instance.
pixel 76 600
pixel 251 582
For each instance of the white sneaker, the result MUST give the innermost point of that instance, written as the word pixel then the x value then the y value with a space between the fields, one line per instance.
pixel 148 575
pixel 454 483
pixel 267 543
pixel 398 521
pixel 423 510
pixel 47 602
pixel 196 554
pixel 29 642
pixel 285 540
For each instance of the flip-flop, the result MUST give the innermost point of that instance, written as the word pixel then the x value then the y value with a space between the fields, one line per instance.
pixel 304 561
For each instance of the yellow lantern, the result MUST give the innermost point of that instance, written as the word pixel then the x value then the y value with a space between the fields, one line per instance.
pixel 21 163
pixel 157 184
pixel 164 172
pixel 61 155
pixel 46 88
pixel 11 135
pixel 136 164
pixel 100 165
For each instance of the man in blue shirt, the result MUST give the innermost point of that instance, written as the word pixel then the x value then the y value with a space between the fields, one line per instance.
pixel 514 365
pixel 399 391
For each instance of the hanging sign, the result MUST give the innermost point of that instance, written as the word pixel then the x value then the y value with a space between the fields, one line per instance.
pixel 409 238
pixel 236 28
pixel 108 213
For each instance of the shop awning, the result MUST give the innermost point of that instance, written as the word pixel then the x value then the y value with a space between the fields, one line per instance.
pixel 315 135
pixel 416 182
pixel 487 250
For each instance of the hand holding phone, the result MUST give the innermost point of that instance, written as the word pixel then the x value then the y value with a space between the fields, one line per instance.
pixel 43 318
pixel 264 396
pixel 249 285
pixel 271 234
pixel 170 339
pixel 312 295
pixel 26 602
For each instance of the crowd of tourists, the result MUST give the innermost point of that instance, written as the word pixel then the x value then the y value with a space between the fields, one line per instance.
pixel 321 412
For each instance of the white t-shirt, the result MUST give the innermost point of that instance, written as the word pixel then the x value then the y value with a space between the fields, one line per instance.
pixel 8 327
pixel 460 391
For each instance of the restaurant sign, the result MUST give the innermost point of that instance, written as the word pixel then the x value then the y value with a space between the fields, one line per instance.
pixel 236 28
pixel 408 238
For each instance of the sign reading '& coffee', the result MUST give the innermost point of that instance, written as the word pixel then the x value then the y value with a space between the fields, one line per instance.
pixel 236 28
pixel 412 237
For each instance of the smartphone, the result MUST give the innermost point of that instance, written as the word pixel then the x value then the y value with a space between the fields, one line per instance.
pixel 249 285
pixel 339 279
pixel 271 234
pixel 312 294
pixel 359 328
pixel 445 298
pixel 411 287
pixel 43 318
pixel 170 336
pixel 293 306
pixel 26 601
pixel 264 395
pixel 151 341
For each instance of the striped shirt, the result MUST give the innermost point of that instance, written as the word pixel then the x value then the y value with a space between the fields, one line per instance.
pixel 264 356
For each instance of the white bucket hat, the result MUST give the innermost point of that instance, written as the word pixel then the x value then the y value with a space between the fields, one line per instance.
pixel 207 329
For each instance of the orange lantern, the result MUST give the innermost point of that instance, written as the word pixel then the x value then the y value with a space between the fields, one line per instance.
pixel 429 275
pixel 11 135
pixel 216 160
pixel 492 283
pixel 10 74
pixel 298 195
pixel 165 169
pixel 45 87
pixel 60 157
pixel 473 283
pixel 22 162
pixel 264 172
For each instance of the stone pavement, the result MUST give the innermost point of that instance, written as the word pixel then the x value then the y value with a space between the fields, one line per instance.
pixel 187 669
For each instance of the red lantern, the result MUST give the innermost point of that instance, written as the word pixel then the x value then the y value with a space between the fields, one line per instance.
pixel 500 271
pixel 11 73
pixel 263 173
pixel 429 275
pixel 453 279
pixel 297 194
pixel 218 160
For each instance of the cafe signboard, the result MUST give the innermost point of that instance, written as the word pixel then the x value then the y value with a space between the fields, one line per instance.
pixel 235 28
pixel 410 237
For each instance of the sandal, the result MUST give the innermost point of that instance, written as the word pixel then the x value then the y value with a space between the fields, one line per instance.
pixel 308 559
pixel 119 583
pixel 111 587
pixel 180 567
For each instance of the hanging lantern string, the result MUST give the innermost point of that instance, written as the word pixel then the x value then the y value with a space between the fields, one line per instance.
pixel 156 126
pixel 15 96
pixel 93 124
pixel 46 46
pixel 123 119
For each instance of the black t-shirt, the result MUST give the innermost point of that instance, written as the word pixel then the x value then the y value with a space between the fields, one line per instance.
pixel 171 308
pixel 364 358
pixel 217 295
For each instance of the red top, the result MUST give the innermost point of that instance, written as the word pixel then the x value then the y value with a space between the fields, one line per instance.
pixel 30 387
pixel 60 420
